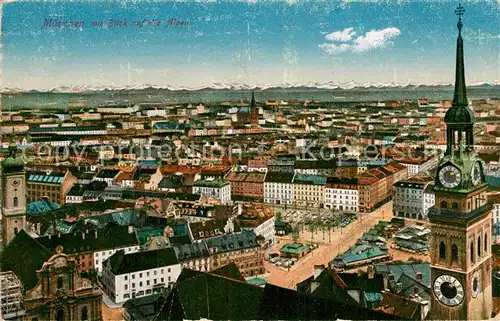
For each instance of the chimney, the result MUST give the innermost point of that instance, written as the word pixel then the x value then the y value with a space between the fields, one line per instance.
pixel 371 272
pixel 318 269
pixel 419 276
pixel 130 229
pixel 95 234
pixel 83 235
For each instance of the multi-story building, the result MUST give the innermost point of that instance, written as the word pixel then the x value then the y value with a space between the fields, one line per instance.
pixel 11 296
pixel 92 246
pixel 194 256
pixel 418 165
pixel 341 194
pixel 245 249
pixel 278 188
pixel 282 163
pixel 218 189
pixel 107 175
pixel 308 190
pixel 495 200
pixel 413 197
pixel 132 275
pixel 52 185
pixel 260 219
pixel 247 185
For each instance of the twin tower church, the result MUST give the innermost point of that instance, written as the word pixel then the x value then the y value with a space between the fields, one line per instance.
pixel 461 275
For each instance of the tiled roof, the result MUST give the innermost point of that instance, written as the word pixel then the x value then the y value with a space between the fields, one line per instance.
pixel 41 206
pixel 309 179
pixel 121 263
pixel 233 242
pixel 24 255
pixel 246 177
pixel 279 177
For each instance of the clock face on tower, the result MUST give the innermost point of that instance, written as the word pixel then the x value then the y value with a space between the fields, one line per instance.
pixel 15 183
pixel 476 173
pixel 475 284
pixel 448 290
pixel 450 176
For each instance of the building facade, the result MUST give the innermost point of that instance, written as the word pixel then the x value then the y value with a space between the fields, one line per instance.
pixel 127 276
pixel 410 198
pixel 278 188
pixel 61 294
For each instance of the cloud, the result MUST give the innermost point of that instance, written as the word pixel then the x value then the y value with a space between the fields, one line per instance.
pixel 332 48
pixel 345 35
pixel 344 40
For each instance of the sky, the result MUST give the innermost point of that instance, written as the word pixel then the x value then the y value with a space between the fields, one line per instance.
pixel 250 42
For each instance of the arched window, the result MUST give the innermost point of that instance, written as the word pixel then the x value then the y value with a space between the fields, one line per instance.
pixel 454 205
pixel 60 315
pixel 478 246
pixel 471 252
pixel 444 204
pixel 59 283
pixel 442 250
pixel 486 242
pixel 15 230
pixel 454 254
pixel 15 201
pixel 84 314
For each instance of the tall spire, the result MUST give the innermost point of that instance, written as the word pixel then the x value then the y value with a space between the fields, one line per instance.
pixel 460 96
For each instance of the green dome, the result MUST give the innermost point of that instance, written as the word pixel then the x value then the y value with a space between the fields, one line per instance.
pixel 13 163
pixel 459 115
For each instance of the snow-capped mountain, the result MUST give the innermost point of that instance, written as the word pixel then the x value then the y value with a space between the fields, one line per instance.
pixel 330 85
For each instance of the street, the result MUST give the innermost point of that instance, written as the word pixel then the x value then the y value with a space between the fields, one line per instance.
pixel 341 240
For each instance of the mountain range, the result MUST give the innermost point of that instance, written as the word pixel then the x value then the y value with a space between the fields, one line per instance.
pixel 238 86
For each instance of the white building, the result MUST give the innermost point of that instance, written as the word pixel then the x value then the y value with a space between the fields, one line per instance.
pixel 495 217
pixel 278 188
pixel 419 165
pixel 262 225
pixel 127 276
pixel 127 243
pixel 341 194
pixel 413 197
pixel 214 188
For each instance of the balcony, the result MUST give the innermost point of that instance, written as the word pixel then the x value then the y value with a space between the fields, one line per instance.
pixel 437 213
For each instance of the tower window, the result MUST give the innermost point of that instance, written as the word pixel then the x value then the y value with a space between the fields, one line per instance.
pixel 15 230
pixel 471 252
pixel 454 254
pixel 479 246
pixel 15 201
pixel 84 314
pixel 485 242
pixel 444 204
pixel 442 250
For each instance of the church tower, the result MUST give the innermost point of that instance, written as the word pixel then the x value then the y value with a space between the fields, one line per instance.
pixel 254 111
pixel 13 195
pixel 461 218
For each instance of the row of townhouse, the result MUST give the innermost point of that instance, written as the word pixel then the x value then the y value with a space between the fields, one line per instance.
pixel 414 197
pixel 138 274
pixel 363 193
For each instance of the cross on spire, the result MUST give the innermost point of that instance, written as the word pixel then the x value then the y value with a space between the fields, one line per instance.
pixel 459 11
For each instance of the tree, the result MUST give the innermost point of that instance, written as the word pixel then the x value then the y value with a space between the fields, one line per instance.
pixel 278 216
pixel 312 229
pixel 295 235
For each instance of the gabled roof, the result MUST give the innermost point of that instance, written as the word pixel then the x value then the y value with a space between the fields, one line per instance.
pixel 230 270
pixel 91 239
pixel 24 256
